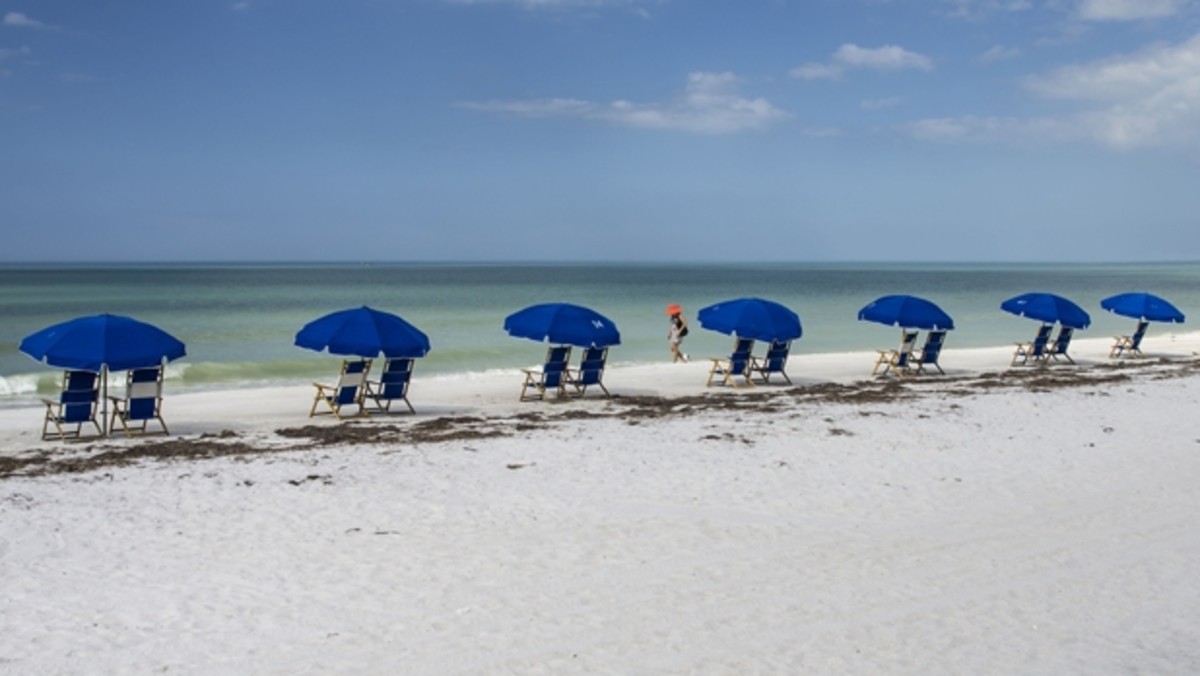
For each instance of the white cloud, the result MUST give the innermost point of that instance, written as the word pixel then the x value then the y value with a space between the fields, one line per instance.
pixel 10 53
pixel 888 57
pixel 973 9
pixel 21 21
pixel 552 4
pixel 817 71
pixel 823 132
pixel 880 104
pixel 851 56
pixel 1128 10
pixel 970 127
pixel 1150 99
pixel 534 107
pixel 710 104
pixel 1000 53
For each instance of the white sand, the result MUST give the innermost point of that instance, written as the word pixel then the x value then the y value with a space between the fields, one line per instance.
pixel 959 530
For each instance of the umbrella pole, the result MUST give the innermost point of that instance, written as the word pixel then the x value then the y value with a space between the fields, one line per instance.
pixel 104 399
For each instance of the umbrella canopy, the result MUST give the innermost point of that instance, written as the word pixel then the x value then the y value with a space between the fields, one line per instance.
pixel 909 312
pixel 1049 308
pixel 364 332
pixel 751 318
pixel 1144 306
pixel 563 323
pixel 102 341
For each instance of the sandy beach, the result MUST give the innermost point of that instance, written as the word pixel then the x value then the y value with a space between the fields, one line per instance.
pixel 995 520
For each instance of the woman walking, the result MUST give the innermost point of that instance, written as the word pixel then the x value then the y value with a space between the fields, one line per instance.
pixel 676 332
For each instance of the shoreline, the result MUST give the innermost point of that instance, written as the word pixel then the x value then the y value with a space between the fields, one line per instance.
pixel 262 409
pixel 995 520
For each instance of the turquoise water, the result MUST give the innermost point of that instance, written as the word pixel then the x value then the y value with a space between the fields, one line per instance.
pixel 238 321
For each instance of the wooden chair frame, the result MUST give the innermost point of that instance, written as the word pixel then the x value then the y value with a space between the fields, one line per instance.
pixel 76 405
pixel 142 402
pixel 897 360
pixel 392 385
pixel 736 364
pixel 553 376
pixel 353 377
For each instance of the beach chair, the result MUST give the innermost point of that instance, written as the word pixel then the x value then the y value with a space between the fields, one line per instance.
pixel 773 362
pixel 1061 342
pixel 1131 344
pixel 392 385
pixel 591 371
pixel 553 376
pixel 76 405
pixel 737 364
pixel 929 352
pixel 1036 349
pixel 350 389
pixel 897 360
pixel 142 402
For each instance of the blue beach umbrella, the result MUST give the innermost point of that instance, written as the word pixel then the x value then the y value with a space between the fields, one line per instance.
pixel 363 332
pixel 751 318
pixel 1142 306
pixel 1048 308
pixel 563 324
pixel 105 341
pixel 908 312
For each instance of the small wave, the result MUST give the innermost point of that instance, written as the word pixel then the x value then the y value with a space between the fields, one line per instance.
pixel 29 383
pixel 210 374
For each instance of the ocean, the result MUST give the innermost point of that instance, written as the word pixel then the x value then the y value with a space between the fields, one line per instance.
pixel 239 321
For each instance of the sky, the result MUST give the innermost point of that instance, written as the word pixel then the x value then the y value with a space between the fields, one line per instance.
pixel 600 130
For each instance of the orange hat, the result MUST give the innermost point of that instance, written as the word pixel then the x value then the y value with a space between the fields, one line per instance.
pixel 673 309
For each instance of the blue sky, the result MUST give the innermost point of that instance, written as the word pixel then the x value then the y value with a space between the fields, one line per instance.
pixel 630 130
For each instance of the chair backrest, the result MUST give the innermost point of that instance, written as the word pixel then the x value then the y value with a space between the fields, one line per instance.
pixel 933 346
pixel 777 355
pixel 739 359
pixel 397 373
pixel 1135 340
pixel 1040 340
pixel 1063 340
pixel 557 360
pixel 79 396
pixel 143 392
pixel 908 342
pixel 742 347
pixel 591 367
pixel 350 382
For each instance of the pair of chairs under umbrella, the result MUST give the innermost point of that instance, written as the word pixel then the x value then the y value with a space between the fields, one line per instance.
pixel 750 320
pixel 364 334
pixel 1144 307
pixel 565 326
pixel 1050 309
pixel 912 314
pixel 91 347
